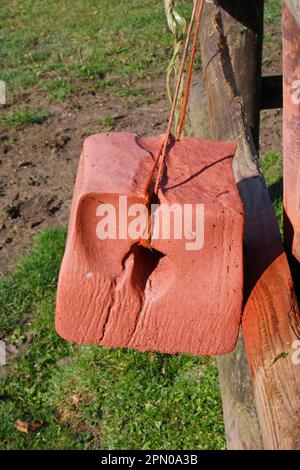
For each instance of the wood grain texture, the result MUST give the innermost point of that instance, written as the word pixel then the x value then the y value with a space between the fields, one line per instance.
pixel 291 127
pixel 243 28
pixel 271 314
pixel 239 409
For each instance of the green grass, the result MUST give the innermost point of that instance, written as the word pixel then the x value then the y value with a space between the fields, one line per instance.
pixel 92 397
pixel 273 19
pixel 272 168
pixel 108 123
pixel 25 116
pixel 62 45
pixel 273 9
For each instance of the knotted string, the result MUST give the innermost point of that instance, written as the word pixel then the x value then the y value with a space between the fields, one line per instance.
pixel 167 142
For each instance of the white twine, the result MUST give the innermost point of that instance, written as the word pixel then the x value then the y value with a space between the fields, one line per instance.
pixel 176 23
pixel 178 27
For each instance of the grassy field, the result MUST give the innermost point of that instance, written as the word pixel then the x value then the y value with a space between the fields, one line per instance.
pixel 96 398
pixel 90 397
pixel 272 167
pixel 77 44
pixel 64 45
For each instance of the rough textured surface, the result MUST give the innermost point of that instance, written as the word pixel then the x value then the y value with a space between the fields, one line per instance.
pixel 239 408
pixel 170 300
pixel 243 28
pixel 276 328
pixel 271 315
pixel 294 8
pixel 291 127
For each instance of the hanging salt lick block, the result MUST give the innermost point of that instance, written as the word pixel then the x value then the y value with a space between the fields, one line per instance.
pixel 175 297
pixel 291 126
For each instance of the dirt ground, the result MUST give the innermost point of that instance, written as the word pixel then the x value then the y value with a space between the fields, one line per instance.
pixel 38 163
pixel 37 172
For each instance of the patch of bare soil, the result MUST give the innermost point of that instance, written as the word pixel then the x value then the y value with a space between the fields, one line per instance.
pixel 271 131
pixel 37 170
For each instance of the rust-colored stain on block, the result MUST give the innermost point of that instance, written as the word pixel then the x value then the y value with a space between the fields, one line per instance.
pixel 116 293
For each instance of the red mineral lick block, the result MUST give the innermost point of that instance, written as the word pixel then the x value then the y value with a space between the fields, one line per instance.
pixel 185 294
pixel 291 126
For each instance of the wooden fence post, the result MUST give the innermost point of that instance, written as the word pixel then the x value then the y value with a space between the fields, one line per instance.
pixel 243 24
pixel 239 410
pixel 271 315
pixel 243 27
pixel 291 130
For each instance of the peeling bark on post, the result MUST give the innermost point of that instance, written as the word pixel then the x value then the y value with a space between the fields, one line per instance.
pixel 271 322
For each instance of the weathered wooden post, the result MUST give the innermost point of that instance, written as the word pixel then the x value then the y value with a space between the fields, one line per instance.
pixel 291 129
pixel 243 28
pixel 271 315
pixel 239 410
pixel 243 24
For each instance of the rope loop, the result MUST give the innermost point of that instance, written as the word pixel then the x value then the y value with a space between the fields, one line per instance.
pixel 176 22
pixel 178 27
pixel 169 140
